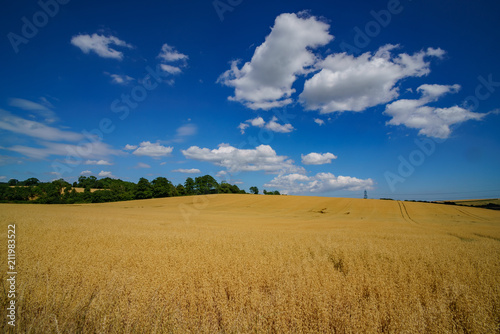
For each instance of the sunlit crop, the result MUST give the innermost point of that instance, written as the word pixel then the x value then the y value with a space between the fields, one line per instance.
pixel 255 264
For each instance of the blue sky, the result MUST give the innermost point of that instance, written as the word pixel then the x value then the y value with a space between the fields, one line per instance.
pixel 316 98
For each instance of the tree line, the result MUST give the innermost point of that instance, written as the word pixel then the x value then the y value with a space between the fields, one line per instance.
pixel 110 190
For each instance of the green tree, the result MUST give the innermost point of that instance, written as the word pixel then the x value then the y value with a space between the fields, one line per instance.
pixel 32 181
pixel 13 182
pixel 254 190
pixel 90 181
pixel 144 189
pixel 162 187
pixel 189 186
pixel 181 191
pixel 206 185
pixel 50 193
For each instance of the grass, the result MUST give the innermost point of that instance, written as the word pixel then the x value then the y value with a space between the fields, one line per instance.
pixel 255 264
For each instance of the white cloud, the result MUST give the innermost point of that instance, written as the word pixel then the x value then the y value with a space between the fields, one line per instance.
pixel 262 158
pixel 86 172
pixel 170 69
pixel 272 125
pixel 187 130
pixel 87 150
pixel 319 121
pixel 276 127
pixel 48 115
pixel 27 105
pixel 266 81
pixel 154 150
pixel 7 160
pixel 321 182
pixel 142 165
pixel 221 174
pixel 130 147
pixel 106 174
pixel 183 132
pixel 170 54
pixel 436 52
pixel 187 171
pixel 35 129
pixel 346 82
pixel 120 79
pixel 243 127
pixel 100 44
pixel 98 162
pixel 317 158
pixel 430 121
pixel 259 121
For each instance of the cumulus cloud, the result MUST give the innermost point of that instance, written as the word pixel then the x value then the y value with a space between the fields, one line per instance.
pixel 169 54
pixel 430 121
pixel 100 44
pixel 262 158
pixel 187 171
pixel 321 182
pixel 317 158
pixel 266 81
pixel 154 150
pixel 86 172
pixel 98 162
pixel 272 125
pixel 130 147
pixel 106 174
pixel 349 83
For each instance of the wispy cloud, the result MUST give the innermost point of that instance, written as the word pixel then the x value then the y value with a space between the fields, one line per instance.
pixel 100 45
pixel 43 110
pixel 35 129
pixel 87 150
pixel 98 162
pixel 172 60
pixel 142 165
pixel 187 171
pixel 318 121
pixel 120 79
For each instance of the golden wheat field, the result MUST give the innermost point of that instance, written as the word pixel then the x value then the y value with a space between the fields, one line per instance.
pixel 254 264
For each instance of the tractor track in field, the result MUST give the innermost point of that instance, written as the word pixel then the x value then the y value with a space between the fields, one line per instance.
pixel 404 213
pixel 471 215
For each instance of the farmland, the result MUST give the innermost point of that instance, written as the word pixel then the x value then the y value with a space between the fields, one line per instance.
pixel 250 263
